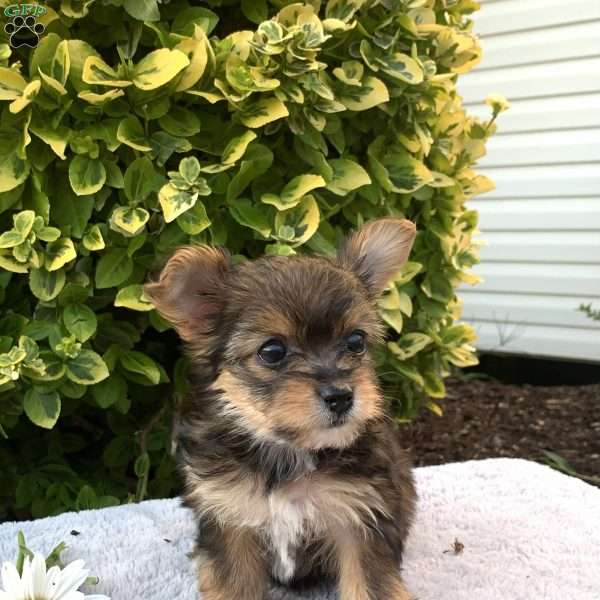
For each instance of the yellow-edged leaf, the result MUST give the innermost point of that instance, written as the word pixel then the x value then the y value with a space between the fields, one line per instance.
pixel 158 68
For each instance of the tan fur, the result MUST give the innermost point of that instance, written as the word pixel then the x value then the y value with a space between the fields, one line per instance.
pixel 296 408
pixel 247 580
pixel 398 591
pixel 240 499
pixel 243 405
pixel 353 585
pixel 351 579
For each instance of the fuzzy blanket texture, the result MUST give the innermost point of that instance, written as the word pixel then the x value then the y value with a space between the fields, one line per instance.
pixel 528 533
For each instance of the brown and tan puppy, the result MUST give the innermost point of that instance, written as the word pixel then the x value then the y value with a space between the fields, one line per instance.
pixel 290 462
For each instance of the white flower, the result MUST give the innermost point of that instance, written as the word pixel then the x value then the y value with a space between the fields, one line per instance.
pixel 37 583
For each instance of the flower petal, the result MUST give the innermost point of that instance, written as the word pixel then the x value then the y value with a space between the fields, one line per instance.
pixel 11 581
pixel 74 596
pixel 70 580
pixel 51 579
pixel 38 576
pixel 26 580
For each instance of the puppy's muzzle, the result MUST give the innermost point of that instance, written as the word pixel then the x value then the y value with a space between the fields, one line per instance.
pixel 338 400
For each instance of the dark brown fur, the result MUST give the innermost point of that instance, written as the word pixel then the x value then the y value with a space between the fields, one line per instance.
pixel 279 490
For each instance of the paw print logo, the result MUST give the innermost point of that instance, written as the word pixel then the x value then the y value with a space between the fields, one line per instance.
pixel 24 31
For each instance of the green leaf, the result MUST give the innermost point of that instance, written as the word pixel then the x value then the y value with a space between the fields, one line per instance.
pixel 93 240
pixel 12 83
pixel 87 368
pixel 133 297
pixel 86 498
pixel 433 384
pixel 257 161
pixel 393 318
pixel 57 138
pixel 351 72
pixel 250 215
pixel 42 408
pixel 13 170
pixel 11 238
pixel 28 94
pixel 347 176
pixel 298 187
pixel 164 145
pixel 97 72
pixel 256 11
pixel 141 364
pixel 395 169
pixel 236 147
pixel 129 221
pixel 113 268
pixel 180 122
pixel 294 191
pixel 139 179
pixel 80 321
pixel 196 51
pixel 409 345
pixel 111 390
pixel 79 51
pixel 402 67
pixel 188 18
pixel 195 220
pixel 59 253
pixel 297 225
pixel 262 112
pixel 373 92
pixel 158 68
pixel 61 63
pixel 131 133
pixel 143 10
pixel 175 202
pixel 87 175
pixel 45 285
pixel 410 372
pixel 408 271
pixel 48 234
pixel 437 287
pixel 142 465
pixel 189 169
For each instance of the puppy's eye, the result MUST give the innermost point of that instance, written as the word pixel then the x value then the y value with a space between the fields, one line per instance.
pixel 272 352
pixel 355 342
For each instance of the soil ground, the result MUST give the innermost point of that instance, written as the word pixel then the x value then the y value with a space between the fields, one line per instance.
pixel 487 419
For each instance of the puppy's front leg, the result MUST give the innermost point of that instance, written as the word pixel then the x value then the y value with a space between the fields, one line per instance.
pixel 231 564
pixel 368 568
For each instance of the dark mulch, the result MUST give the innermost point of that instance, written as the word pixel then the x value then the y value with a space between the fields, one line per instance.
pixel 485 419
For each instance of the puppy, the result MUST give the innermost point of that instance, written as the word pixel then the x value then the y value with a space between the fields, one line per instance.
pixel 290 463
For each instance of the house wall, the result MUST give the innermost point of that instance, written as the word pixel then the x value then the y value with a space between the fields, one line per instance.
pixel 542 222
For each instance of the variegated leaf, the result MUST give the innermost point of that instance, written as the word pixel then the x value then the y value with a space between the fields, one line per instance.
pixel 159 67
pixel 262 112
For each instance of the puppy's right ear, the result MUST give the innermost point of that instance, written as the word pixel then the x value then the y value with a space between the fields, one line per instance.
pixel 189 291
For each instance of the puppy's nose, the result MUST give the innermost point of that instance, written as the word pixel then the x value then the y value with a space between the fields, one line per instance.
pixel 338 400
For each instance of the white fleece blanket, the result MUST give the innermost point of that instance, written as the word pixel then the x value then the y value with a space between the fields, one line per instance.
pixel 529 533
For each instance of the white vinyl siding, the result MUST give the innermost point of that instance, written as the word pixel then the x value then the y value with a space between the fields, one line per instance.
pixel 541 224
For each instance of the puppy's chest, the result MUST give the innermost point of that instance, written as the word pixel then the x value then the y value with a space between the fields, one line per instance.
pixel 296 515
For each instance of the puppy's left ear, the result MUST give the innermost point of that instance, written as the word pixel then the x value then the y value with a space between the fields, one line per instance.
pixel 377 251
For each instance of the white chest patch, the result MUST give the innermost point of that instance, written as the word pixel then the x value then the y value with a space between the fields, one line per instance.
pixel 293 514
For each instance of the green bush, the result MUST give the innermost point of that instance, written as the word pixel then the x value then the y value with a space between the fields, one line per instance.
pixel 136 126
